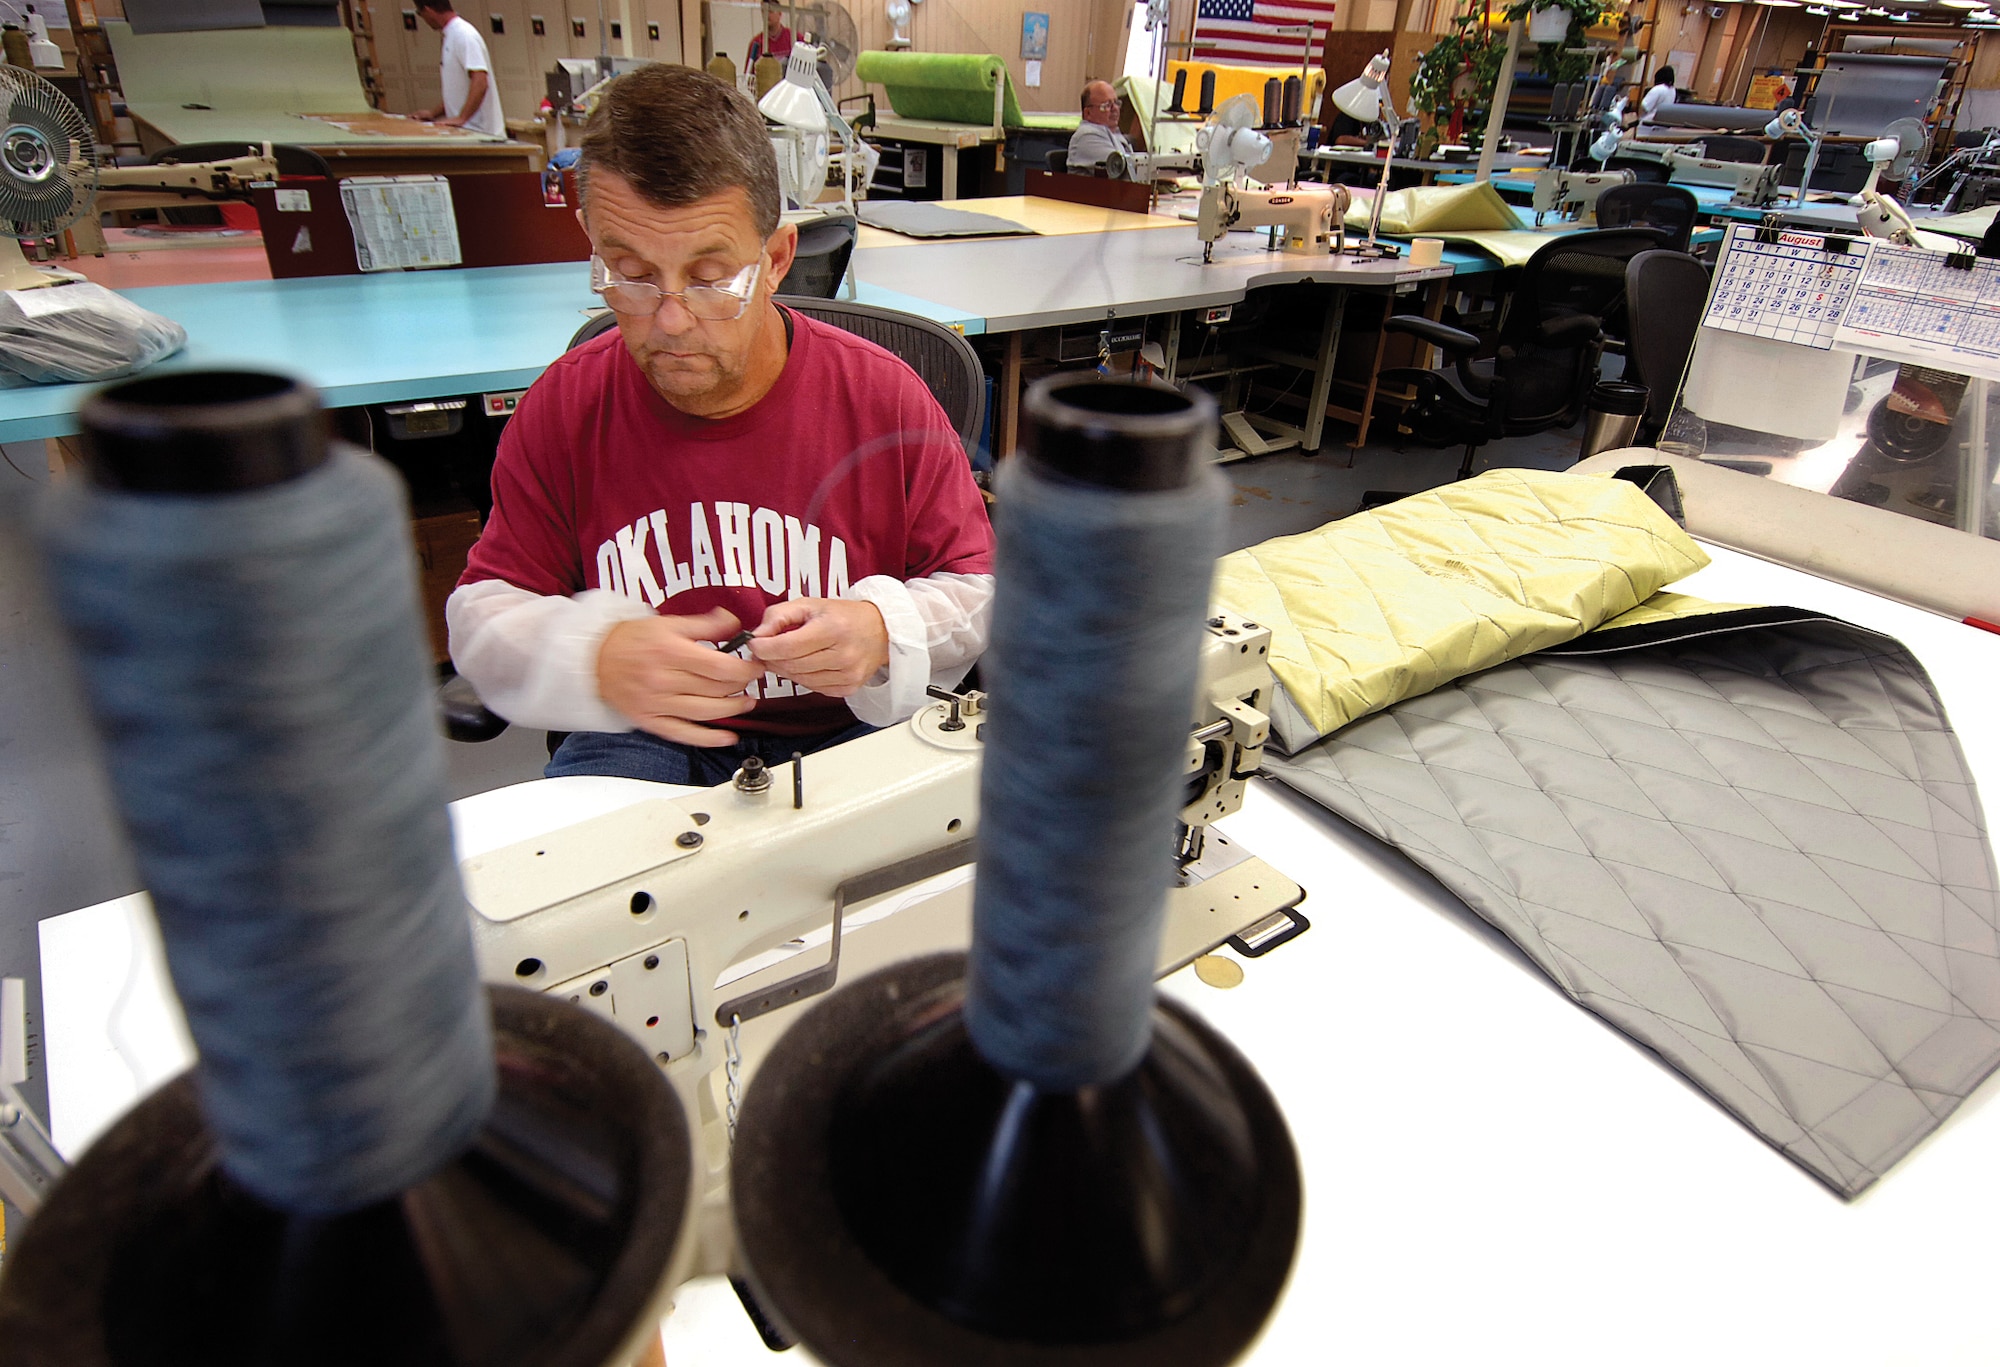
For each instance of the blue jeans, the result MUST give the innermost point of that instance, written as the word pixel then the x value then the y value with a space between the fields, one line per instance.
pixel 637 754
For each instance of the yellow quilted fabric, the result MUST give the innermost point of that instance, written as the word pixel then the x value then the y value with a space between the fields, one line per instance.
pixel 1389 604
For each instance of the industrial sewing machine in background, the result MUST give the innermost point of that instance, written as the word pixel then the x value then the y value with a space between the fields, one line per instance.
pixel 681 919
pixel 1573 195
pixel 1750 183
pixel 1145 167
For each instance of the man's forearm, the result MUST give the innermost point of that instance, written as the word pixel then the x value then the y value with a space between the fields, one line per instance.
pixel 533 658
pixel 938 627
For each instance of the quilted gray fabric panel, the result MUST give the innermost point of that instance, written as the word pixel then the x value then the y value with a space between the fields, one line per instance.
pixel 1758 851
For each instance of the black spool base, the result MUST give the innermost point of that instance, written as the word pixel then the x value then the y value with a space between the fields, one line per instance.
pixel 898 1202
pixel 544 1243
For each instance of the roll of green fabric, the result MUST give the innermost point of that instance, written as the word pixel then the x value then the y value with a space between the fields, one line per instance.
pixel 955 87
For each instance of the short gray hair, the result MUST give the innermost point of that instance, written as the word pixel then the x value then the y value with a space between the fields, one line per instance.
pixel 678 135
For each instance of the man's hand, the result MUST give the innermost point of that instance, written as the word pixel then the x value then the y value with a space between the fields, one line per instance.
pixel 428 115
pixel 660 672
pixel 831 645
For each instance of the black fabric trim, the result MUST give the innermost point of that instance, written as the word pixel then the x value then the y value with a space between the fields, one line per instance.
pixel 1644 634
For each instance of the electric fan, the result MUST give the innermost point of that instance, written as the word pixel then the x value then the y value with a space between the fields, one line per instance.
pixel 1893 155
pixel 830 28
pixel 1229 143
pixel 48 172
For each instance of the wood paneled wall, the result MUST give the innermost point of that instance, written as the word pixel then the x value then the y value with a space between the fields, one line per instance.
pixel 521 58
pixel 1086 40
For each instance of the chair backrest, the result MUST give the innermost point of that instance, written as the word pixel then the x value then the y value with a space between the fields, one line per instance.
pixel 821 263
pixel 1057 159
pixel 292 161
pixel 594 327
pixel 1670 208
pixel 1722 147
pixel 1579 273
pixel 943 360
pixel 1665 294
pixel 1645 172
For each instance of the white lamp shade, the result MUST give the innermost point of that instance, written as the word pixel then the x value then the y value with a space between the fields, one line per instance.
pixel 1359 100
pixel 794 106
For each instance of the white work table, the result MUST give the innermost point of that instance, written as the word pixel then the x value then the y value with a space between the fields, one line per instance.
pixel 1019 283
pixel 1035 282
pixel 1493 1175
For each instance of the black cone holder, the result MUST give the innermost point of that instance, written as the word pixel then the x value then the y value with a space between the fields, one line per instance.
pixel 547 1242
pixel 898 1202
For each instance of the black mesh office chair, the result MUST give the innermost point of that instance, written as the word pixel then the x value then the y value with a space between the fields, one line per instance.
pixel 1058 160
pixel 943 360
pixel 821 263
pixel 1539 364
pixel 1725 148
pixel 1672 209
pixel 292 161
pixel 1665 293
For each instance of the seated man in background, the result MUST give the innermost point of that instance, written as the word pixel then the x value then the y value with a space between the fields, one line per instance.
pixel 719 462
pixel 1097 137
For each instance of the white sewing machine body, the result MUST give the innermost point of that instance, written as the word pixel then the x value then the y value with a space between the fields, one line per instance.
pixel 1573 195
pixel 1145 167
pixel 1314 221
pixel 1751 183
pixel 639 913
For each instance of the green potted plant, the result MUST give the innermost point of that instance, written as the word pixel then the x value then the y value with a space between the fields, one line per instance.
pixel 1453 86
pixel 1553 22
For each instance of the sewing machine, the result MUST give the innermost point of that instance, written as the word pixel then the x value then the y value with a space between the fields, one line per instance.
pixel 1573 195
pixel 682 919
pixel 1752 184
pixel 1145 167
pixel 1314 221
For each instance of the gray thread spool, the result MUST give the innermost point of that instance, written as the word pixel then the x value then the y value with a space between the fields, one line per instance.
pixel 272 741
pixel 1091 700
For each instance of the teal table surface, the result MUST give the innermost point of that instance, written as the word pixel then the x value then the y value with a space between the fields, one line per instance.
pixel 363 339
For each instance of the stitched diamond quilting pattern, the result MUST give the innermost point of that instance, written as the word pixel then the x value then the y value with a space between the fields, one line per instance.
pixel 1757 851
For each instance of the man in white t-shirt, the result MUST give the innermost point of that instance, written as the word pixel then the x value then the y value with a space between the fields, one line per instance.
pixel 470 100
pixel 1657 98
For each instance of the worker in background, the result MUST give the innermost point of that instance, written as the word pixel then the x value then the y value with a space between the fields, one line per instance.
pixel 774 42
pixel 718 463
pixel 1657 98
pixel 470 99
pixel 1097 137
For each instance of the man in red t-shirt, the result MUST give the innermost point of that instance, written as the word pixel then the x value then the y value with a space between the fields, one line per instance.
pixel 774 42
pixel 720 462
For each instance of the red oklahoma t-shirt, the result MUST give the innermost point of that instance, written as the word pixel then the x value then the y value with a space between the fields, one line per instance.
pixel 847 468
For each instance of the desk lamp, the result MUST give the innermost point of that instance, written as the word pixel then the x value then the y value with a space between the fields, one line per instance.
pixel 801 106
pixel 1791 123
pixel 1364 100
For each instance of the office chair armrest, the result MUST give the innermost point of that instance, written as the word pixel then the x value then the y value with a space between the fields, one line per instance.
pixel 1573 329
pixel 1441 335
pixel 464 716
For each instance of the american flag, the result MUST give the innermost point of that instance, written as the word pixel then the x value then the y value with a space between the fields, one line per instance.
pixel 1246 30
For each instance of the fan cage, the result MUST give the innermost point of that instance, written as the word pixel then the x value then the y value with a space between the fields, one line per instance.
pixel 48 158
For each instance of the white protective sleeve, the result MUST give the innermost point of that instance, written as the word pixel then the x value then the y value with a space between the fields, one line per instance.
pixel 533 657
